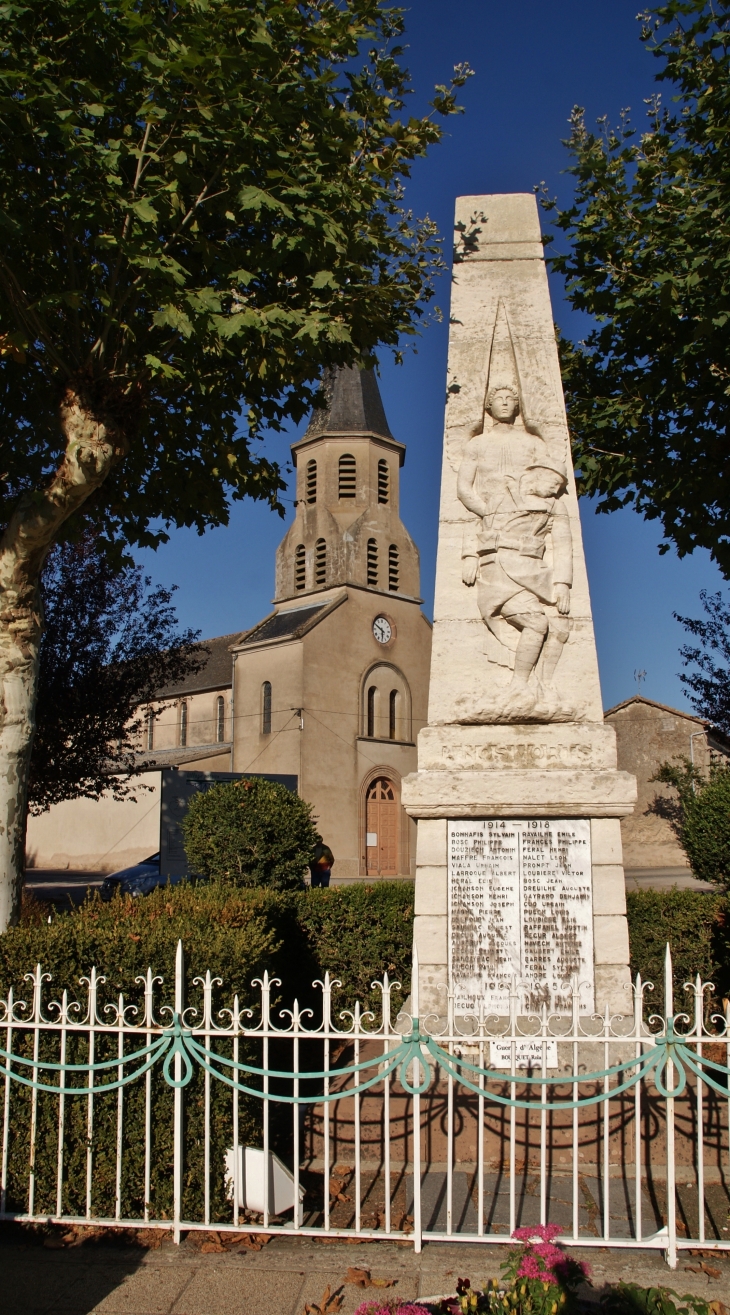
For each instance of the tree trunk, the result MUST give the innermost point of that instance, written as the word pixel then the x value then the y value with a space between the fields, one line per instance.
pixel 93 444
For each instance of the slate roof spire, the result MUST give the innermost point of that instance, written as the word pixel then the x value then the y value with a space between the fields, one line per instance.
pixel 354 404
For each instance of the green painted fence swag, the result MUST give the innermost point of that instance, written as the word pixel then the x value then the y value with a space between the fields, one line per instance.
pixel 410 1056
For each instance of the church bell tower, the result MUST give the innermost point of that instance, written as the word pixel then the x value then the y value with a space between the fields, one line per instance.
pixel 347 529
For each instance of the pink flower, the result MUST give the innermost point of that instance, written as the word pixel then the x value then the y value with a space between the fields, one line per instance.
pixel 546 1232
pixel 530 1267
pixel 376 1308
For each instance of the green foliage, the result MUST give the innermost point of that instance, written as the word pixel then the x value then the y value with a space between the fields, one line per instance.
pixel 236 934
pixel 200 208
pixel 109 645
pixel 695 924
pixel 537 1278
pixel 250 833
pixel 361 931
pixel 707 681
pixel 648 392
pixel 123 938
pixel 631 1299
pixel 703 817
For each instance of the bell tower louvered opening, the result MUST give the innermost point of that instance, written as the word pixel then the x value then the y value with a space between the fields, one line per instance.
pixel 300 567
pixel 383 481
pixel 311 482
pixel 320 562
pixel 347 476
pixel 393 574
pixel 372 561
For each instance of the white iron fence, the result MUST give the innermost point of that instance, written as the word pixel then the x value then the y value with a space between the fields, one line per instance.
pixel 155 1115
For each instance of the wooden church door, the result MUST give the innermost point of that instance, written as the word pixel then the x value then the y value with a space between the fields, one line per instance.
pixel 381 824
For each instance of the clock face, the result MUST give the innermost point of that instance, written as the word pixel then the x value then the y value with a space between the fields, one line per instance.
pixel 382 630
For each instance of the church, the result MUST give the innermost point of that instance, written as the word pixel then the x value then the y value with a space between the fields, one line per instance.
pixel 331 687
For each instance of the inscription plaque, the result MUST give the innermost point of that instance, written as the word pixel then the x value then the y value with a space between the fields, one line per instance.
pixel 520 907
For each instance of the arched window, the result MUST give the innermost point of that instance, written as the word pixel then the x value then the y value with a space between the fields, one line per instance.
pixel 393 567
pixel 150 729
pixel 220 719
pixel 371 712
pixel 372 561
pixel 266 708
pixel 320 562
pixel 311 481
pixel 348 476
pixel 383 481
pixel 385 704
pixel 300 578
pixel 183 724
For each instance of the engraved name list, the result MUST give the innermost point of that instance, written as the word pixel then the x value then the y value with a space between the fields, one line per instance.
pixel 520 906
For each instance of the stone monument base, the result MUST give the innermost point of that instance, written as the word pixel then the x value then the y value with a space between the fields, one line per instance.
pixel 532 772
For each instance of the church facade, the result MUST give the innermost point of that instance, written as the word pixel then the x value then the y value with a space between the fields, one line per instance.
pixel 330 687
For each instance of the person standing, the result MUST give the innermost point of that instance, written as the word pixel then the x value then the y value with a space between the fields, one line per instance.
pixel 321 865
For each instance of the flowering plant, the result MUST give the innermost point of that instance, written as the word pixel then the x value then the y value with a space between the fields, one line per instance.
pixel 539 1278
pixel 542 1276
pixel 389 1308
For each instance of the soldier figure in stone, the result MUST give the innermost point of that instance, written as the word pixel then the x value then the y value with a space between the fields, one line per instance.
pixel 509 480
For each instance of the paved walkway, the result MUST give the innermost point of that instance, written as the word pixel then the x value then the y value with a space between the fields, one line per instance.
pixel 106 1276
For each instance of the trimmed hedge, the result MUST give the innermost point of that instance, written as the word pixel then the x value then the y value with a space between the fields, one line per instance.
pixel 356 933
pixel 695 923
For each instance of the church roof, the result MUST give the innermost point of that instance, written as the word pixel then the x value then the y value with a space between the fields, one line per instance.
pixel 284 625
pixel 353 404
pixel 216 672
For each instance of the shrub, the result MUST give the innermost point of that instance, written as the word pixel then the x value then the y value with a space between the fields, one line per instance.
pixel 250 833
pixel 703 821
pixel 538 1278
pixel 632 1299
pixel 355 932
pixel 694 924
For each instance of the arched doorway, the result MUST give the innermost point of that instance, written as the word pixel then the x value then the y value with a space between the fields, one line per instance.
pixel 381 826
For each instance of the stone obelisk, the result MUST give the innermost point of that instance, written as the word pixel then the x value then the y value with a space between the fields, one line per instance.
pixel 518 799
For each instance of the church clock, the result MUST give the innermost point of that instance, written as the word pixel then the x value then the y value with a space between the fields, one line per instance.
pixel 382 630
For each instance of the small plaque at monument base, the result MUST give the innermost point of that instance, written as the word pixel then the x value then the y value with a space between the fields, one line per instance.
pixel 528 1054
pixel 520 911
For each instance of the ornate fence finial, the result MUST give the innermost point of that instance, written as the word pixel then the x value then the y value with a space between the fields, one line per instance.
pixel 415 1003
pixel 179 980
pixel 668 984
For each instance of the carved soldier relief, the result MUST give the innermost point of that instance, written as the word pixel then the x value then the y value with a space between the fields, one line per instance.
pixel 517 552
pixel 517 795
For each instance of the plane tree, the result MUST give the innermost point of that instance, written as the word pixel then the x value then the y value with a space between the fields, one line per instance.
pixel 648 259
pixel 200 207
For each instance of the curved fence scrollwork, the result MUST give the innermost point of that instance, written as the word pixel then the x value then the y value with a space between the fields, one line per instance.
pixel 410 1059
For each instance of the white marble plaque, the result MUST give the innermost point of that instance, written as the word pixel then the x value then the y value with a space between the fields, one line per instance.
pixel 520 906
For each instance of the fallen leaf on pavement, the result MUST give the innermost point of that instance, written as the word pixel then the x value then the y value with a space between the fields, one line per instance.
pixel 330 1303
pixel 360 1278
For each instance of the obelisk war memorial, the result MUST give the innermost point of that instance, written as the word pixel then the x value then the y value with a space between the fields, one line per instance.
pixel 519 882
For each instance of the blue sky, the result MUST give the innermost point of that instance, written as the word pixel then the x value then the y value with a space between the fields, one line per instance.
pixel 533 62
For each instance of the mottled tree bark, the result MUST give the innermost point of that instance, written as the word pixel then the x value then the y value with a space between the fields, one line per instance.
pixel 92 445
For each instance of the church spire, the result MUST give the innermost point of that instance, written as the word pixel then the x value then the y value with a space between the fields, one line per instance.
pixel 353 404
